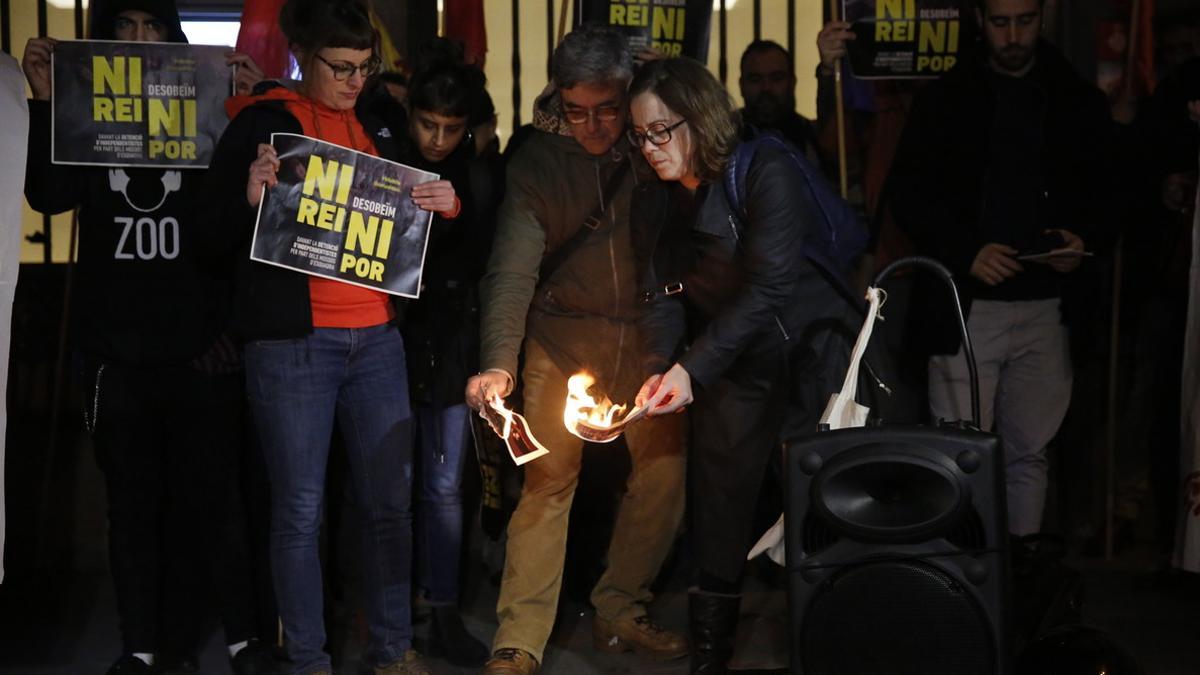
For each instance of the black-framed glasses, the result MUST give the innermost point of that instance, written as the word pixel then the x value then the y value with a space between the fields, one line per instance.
pixel 604 113
pixel 342 71
pixel 658 133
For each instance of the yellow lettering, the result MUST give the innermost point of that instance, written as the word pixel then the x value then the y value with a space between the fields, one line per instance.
pixel 164 115
pixel 932 36
pixel 883 31
pixel 307 212
pixel 102 110
pixel 361 236
pixel 895 9
pixel 376 271
pixel 187 149
pixel 135 75
pixel 953 36
pixel 128 110
pixel 344 182
pixel 328 216
pixel 108 76
pixel 320 176
pixel 384 242
pixel 189 118
pixel 616 15
pixel 664 24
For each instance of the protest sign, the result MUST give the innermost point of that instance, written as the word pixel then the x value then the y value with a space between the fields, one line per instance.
pixel 342 214
pixel 672 27
pixel 149 104
pixel 904 38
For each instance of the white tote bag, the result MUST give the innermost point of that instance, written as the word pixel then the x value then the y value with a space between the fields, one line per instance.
pixel 842 412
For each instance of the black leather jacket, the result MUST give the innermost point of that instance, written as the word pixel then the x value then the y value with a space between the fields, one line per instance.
pixel 744 289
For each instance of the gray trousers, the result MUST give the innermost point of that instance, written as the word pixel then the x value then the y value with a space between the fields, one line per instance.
pixel 1024 387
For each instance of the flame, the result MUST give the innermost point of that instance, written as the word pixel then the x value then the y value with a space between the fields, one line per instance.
pixel 497 404
pixel 582 408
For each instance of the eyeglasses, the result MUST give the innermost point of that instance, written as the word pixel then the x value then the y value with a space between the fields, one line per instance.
pixel 342 71
pixel 658 134
pixel 605 113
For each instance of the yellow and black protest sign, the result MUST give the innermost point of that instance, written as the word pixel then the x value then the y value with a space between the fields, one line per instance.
pixel 904 38
pixel 672 27
pixel 138 103
pixel 344 215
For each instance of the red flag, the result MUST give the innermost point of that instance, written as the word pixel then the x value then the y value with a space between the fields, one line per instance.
pixel 1142 45
pixel 464 22
pixel 261 38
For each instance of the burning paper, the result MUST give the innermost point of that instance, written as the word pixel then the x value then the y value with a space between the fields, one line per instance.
pixel 513 428
pixel 592 420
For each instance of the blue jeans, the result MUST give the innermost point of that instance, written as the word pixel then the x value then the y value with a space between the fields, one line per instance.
pixel 297 388
pixel 444 442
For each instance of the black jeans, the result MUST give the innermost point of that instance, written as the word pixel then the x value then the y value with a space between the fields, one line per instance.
pixel 169 441
pixel 736 426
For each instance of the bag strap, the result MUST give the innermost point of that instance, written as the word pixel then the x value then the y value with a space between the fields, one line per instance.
pixel 850 384
pixel 555 259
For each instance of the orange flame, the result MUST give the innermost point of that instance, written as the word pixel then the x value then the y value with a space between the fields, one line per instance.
pixel 582 407
pixel 592 420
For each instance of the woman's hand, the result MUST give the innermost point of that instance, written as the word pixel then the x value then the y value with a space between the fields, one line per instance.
pixel 248 72
pixel 666 393
pixel 262 173
pixel 36 64
pixel 437 196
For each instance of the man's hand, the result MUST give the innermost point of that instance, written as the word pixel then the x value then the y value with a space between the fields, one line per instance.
pixel 666 393
pixel 36 64
pixel 437 196
pixel 831 43
pixel 262 173
pixel 489 383
pixel 1066 263
pixel 248 73
pixel 995 263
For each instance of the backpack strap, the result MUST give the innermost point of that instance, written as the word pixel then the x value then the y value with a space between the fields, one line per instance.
pixel 736 171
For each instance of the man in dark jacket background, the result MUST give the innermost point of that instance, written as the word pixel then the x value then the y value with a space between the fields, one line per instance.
pixel 1002 157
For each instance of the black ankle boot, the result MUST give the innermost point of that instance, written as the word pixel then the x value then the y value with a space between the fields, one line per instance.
pixel 452 641
pixel 712 622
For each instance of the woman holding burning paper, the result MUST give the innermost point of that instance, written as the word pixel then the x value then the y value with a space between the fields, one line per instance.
pixel 733 287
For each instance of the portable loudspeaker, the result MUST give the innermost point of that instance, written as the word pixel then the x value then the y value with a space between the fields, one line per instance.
pixel 897 552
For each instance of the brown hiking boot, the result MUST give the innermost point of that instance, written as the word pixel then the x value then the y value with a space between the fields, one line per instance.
pixel 509 661
pixel 641 636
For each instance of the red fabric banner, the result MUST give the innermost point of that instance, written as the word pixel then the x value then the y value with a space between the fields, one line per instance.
pixel 463 21
pixel 262 39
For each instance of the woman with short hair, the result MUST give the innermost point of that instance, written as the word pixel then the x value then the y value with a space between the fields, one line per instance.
pixel 320 349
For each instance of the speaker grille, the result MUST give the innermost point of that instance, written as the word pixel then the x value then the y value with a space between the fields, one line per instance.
pixel 896 618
